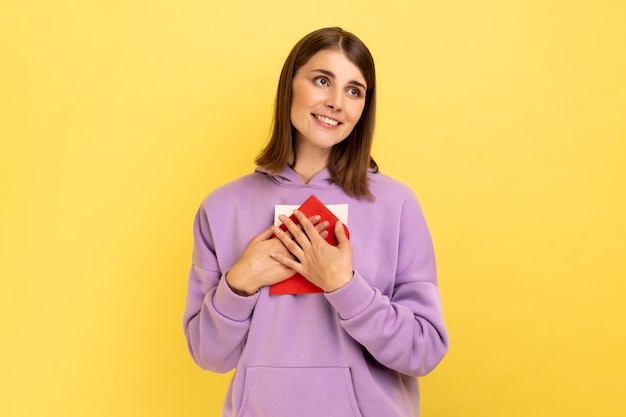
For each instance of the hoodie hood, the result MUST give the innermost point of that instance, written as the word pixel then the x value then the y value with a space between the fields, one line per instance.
pixel 287 177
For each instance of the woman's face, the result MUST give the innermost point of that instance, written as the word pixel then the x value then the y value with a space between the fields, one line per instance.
pixel 328 96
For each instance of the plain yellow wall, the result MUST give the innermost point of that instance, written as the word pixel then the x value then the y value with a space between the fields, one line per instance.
pixel 507 118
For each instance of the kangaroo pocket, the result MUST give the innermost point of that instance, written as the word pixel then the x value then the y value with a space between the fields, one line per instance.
pixel 301 392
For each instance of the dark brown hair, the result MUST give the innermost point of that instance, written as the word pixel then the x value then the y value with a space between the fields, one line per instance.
pixel 350 159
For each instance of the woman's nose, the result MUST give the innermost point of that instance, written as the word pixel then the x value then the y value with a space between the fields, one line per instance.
pixel 334 100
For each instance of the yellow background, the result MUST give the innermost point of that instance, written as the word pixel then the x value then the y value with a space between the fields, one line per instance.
pixel 118 117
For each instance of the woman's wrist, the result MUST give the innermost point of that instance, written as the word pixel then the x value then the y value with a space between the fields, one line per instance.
pixel 236 286
pixel 340 283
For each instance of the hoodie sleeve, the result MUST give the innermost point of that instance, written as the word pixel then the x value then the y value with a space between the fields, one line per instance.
pixel 216 320
pixel 404 331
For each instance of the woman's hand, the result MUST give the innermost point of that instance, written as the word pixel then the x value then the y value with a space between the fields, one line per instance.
pixel 257 268
pixel 327 266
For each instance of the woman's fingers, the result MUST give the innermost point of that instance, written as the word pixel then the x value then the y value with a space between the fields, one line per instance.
pixel 306 224
pixel 297 231
pixel 320 226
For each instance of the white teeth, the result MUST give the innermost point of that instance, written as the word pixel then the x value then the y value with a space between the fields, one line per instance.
pixel 326 120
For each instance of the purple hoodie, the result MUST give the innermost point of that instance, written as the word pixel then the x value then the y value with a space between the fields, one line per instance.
pixel 354 352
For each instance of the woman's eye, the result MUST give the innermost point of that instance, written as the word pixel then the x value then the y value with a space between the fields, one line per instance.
pixel 321 81
pixel 354 92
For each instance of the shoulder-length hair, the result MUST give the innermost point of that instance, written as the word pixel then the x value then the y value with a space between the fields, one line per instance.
pixel 350 159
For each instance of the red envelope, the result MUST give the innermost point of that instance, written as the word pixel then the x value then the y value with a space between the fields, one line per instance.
pixel 297 284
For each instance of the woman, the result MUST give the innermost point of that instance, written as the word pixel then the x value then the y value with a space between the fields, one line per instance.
pixel 356 347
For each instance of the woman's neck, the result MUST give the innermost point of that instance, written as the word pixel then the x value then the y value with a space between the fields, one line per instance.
pixel 307 164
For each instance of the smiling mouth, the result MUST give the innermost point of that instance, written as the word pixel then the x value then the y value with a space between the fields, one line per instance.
pixel 327 120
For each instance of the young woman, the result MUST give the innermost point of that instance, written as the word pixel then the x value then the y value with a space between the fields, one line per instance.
pixel 356 347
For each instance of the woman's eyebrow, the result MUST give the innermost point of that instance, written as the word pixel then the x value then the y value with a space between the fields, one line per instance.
pixel 330 74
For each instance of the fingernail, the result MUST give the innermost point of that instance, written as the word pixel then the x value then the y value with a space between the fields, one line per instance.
pixel 282 217
pixel 277 230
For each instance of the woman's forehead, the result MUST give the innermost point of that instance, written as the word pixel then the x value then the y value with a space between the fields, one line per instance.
pixel 336 62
